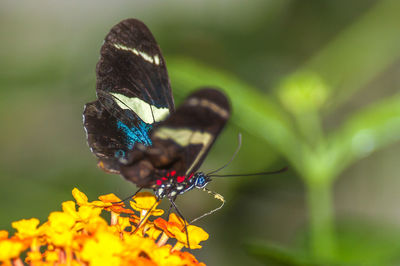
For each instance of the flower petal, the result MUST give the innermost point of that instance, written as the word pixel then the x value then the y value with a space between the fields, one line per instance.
pixel 79 197
pixel 26 227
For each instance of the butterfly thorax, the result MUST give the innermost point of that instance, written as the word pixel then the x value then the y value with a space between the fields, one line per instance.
pixel 172 185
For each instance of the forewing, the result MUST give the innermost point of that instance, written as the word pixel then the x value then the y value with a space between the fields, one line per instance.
pixel 132 79
pixel 182 141
pixel 133 93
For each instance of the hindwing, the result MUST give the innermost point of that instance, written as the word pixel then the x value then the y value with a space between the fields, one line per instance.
pixel 181 142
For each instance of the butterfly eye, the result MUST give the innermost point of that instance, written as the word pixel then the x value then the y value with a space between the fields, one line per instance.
pixel 200 182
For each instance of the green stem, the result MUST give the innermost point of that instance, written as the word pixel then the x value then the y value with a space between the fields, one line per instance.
pixel 310 128
pixel 321 219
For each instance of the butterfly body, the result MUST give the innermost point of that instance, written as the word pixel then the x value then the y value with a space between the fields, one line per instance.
pixel 171 185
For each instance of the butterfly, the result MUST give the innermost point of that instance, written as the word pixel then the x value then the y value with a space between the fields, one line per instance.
pixel 133 128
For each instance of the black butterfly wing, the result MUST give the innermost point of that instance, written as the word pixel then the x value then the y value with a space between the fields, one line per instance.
pixel 133 91
pixel 105 141
pixel 132 79
pixel 182 141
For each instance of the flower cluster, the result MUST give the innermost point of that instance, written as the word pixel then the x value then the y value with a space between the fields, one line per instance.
pixel 80 236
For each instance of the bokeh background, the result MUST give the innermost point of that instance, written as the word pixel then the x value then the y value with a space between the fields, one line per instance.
pixel 314 86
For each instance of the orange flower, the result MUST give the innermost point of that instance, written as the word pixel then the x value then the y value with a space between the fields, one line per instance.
pixel 175 227
pixel 117 206
pixel 3 234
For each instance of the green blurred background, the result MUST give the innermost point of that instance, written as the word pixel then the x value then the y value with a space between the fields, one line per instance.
pixel 313 83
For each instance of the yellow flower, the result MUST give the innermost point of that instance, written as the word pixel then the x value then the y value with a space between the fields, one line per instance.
pixel 59 229
pixel 144 201
pixel 51 256
pixel 82 200
pixel 165 257
pixel 28 232
pixel 175 227
pixel 117 206
pixel 123 224
pixel 80 236
pixel 152 231
pixel 26 227
pixel 195 233
pixel 33 257
pixel 10 249
pixel 137 246
pixel 103 249
pixel 84 214
pixel 84 217
pixel 60 221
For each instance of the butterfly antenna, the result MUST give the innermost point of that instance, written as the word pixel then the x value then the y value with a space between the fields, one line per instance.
pixel 255 174
pixel 218 197
pixel 233 156
pixel 183 218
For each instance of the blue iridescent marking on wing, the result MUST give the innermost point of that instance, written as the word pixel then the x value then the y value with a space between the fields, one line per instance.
pixel 136 134
pixel 120 154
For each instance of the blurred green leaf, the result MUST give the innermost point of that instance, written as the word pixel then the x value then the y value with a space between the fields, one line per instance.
pixel 366 244
pixel 363 242
pixel 360 52
pixel 272 254
pixel 253 111
pixel 365 132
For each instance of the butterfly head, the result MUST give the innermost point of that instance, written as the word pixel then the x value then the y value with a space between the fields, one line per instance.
pixel 200 180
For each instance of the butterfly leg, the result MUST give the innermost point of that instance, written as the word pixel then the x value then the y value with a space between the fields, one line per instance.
pixel 137 191
pixel 170 206
pixel 172 200
pixel 169 210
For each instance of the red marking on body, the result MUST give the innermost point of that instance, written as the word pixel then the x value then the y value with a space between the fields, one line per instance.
pixel 191 175
pixel 158 182
pixel 173 173
pixel 167 174
pixel 180 179
pixel 164 178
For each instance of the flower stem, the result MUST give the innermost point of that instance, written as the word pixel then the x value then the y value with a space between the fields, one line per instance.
pixel 163 240
pixel 321 220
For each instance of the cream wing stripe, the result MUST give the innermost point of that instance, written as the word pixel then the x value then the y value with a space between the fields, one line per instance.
pixel 185 137
pixel 209 105
pixel 154 60
pixel 144 110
